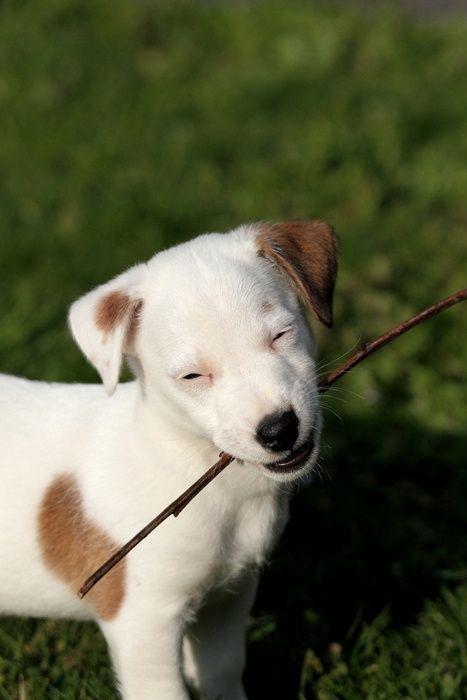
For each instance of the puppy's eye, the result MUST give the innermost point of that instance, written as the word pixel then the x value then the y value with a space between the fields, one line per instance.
pixel 280 335
pixel 192 375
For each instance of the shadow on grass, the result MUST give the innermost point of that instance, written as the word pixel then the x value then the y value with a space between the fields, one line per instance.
pixel 387 529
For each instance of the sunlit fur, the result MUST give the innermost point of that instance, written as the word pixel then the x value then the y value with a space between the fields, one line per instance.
pixel 212 307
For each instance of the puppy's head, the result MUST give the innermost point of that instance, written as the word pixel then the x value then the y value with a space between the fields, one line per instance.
pixel 214 332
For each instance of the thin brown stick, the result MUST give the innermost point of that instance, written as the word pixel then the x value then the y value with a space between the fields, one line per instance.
pixel 179 504
pixel 371 347
pixel 175 508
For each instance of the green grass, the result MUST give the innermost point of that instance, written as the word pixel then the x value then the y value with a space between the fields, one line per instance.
pixel 128 126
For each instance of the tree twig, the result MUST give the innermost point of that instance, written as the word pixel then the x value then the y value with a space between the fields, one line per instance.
pixel 175 508
pixel 371 347
pixel 182 501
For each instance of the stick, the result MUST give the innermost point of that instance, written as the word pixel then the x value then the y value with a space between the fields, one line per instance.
pixel 176 507
pixel 369 348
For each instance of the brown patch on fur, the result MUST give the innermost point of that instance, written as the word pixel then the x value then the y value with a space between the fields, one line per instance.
pixel 115 308
pixel 306 251
pixel 112 310
pixel 72 546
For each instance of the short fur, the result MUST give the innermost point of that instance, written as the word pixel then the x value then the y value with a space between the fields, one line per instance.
pixel 213 332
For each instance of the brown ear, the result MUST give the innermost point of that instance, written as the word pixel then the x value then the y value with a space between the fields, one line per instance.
pixel 306 252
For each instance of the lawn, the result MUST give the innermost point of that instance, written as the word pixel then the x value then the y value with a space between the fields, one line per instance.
pixel 128 126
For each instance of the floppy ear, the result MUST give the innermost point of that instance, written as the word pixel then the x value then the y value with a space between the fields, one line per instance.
pixel 306 252
pixel 104 323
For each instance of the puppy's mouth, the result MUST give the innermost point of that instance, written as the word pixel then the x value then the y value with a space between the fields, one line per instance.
pixel 294 460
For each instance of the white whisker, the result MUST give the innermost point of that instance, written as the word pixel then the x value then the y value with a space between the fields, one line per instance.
pixel 321 365
pixel 333 412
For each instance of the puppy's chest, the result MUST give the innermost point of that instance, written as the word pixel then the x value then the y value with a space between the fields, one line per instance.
pixel 247 534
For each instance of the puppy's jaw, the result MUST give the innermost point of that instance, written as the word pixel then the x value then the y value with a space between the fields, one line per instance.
pixel 287 476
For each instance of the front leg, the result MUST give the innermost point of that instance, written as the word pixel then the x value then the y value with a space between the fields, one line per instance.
pixel 145 647
pixel 214 645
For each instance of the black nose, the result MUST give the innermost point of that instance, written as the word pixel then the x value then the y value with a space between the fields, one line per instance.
pixel 278 431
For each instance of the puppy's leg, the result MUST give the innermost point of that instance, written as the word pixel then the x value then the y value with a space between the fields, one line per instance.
pixel 214 646
pixel 146 652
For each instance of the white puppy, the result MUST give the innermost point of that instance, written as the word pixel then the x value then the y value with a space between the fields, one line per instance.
pixel 223 360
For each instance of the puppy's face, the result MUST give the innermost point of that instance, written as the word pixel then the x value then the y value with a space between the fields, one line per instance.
pixel 218 341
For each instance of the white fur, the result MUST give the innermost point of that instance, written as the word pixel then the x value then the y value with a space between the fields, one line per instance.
pixel 135 451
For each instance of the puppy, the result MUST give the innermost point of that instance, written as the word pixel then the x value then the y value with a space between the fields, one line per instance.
pixel 223 360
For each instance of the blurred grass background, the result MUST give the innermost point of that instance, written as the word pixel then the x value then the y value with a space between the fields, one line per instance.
pixel 126 127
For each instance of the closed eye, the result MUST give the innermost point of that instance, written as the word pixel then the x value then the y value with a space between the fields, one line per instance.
pixel 195 380
pixel 283 332
pixel 279 335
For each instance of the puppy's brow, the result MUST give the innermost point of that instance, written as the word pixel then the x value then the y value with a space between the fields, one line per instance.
pixel 267 307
